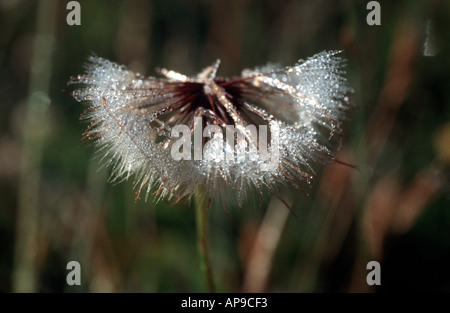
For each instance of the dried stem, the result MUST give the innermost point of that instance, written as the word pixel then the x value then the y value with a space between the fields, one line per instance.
pixel 262 253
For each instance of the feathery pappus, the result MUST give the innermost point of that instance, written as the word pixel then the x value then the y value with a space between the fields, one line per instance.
pixel 256 131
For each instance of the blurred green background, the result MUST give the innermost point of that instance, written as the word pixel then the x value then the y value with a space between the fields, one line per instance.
pixel 57 206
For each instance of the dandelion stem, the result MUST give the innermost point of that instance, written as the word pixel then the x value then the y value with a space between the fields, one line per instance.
pixel 201 216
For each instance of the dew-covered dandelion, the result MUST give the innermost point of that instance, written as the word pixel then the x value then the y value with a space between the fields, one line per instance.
pixel 258 131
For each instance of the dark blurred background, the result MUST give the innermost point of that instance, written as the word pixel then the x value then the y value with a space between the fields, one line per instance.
pixel 57 206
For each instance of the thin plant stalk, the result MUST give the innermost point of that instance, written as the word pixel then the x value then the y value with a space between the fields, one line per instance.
pixel 27 234
pixel 201 217
pixel 263 250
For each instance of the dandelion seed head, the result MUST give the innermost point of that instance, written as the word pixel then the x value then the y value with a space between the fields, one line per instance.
pixel 132 119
